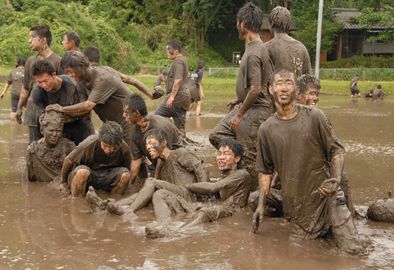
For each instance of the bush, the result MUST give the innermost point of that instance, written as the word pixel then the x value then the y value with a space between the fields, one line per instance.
pixel 361 61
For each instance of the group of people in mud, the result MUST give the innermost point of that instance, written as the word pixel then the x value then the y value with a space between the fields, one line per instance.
pixel 275 149
pixel 374 94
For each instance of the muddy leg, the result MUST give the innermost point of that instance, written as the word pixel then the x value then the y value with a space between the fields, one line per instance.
pixel 122 184
pixel 78 182
pixel 144 195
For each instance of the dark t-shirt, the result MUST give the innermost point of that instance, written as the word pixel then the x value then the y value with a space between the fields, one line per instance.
pixel 235 187
pixel 183 167
pixel 108 92
pixel 288 53
pixel 300 150
pixel 179 70
pixel 89 153
pixel 16 79
pixel 137 144
pixel 255 69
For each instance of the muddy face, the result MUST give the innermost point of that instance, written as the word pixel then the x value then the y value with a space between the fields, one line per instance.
pixel 241 30
pixel 36 43
pixel 72 73
pixel 52 133
pixel 284 89
pixel 46 82
pixel 154 147
pixel 131 117
pixel 225 159
pixel 310 97
pixel 171 52
pixel 67 44
pixel 108 149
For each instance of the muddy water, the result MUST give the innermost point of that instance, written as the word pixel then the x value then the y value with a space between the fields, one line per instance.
pixel 40 229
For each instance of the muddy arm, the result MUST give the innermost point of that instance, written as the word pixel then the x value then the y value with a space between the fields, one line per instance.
pixel 337 162
pixel 67 165
pixel 6 86
pixel 137 84
pixel 204 187
pixel 248 102
pixel 135 169
pixel 264 189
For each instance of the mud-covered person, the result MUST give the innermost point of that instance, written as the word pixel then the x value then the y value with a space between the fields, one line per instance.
pixel 71 41
pixel 354 91
pixel 45 156
pixel 196 89
pixel 299 143
pixel 40 38
pixel 377 93
pixel 15 80
pixel 136 114
pixel 93 54
pixel 179 167
pixel 285 51
pixel 177 99
pixel 102 161
pixel 105 91
pixel 253 105
pixel 59 89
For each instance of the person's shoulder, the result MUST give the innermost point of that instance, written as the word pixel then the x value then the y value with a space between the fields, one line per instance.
pixel 88 141
pixel 241 173
pixel 31 148
pixel 267 124
pixel 311 111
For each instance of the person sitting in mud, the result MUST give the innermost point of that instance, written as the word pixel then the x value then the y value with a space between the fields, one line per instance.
pixel 354 91
pixel 101 161
pixel 377 93
pixel 299 143
pixel 179 168
pixel 136 114
pixel 45 156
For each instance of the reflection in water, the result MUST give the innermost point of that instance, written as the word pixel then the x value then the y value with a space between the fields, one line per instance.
pixel 40 229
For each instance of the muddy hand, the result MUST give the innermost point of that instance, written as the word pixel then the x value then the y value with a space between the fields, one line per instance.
pixel 53 107
pixel 18 117
pixel 257 219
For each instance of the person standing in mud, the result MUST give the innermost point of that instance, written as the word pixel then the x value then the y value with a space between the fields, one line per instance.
pixel 285 51
pixel 354 91
pixel 93 54
pixel 196 89
pixel 45 156
pixel 253 105
pixel 136 114
pixel 105 91
pixel 15 80
pixel 71 41
pixel 62 90
pixel 177 98
pixel 40 38
pixel 102 161
pixel 299 143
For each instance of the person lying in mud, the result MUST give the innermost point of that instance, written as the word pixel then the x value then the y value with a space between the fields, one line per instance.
pixel 102 161
pixel 136 114
pixel 232 188
pixel 299 143
pixel 253 105
pixel 179 168
pixel 45 156
pixel 377 93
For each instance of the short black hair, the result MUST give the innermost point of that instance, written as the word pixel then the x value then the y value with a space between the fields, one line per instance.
pixel 42 67
pixel 305 81
pixel 74 36
pixel 156 133
pixel 280 19
pixel 236 147
pixel 77 61
pixel 110 133
pixel 93 54
pixel 252 17
pixel 175 44
pixel 135 103
pixel 20 61
pixel 43 31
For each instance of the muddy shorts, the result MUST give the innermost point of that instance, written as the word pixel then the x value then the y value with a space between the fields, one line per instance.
pixel 354 91
pixel 104 179
pixel 175 202
pixel 215 212
pixel 14 102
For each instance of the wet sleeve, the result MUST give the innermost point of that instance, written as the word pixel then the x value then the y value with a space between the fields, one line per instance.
pixel 101 91
pixel 135 149
pixel 178 70
pixel 329 142
pixel 38 98
pixel 254 71
pixel 80 153
pixel 192 163
pixel 264 163
pixel 126 156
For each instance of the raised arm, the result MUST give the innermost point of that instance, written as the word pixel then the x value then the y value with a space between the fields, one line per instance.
pixel 137 84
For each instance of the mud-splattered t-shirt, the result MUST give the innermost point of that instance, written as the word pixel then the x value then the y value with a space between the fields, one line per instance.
pixel 179 70
pixel 15 79
pixel 255 69
pixel 300 150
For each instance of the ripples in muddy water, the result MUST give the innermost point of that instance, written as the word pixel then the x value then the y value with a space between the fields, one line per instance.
pixel 368 149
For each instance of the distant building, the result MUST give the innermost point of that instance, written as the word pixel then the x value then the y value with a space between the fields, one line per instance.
pixel 352 40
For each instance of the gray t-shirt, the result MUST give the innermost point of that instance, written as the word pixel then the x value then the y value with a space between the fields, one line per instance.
pixel 255 69
pixel 179 70
pixel 16 79
pixel 300 150
pixel 288 53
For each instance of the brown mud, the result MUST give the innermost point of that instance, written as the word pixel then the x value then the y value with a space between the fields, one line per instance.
pixel 42 229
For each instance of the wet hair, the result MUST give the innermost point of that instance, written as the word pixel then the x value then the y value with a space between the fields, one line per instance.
pixel 200 64
pixel 252 17
pixel 279 19
pixel 175 44
pixel 305 81
pixel 51 117
pixel 77 61
pixel 135 103
pixel 43 31
pixel 281 72
pixel 236 147
pixel 20 61
pixel 110 133
pixel 93 54
pixel 156 133
pixel 42 67
pixel 74 36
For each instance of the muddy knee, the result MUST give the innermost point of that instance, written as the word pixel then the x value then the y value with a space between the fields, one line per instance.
pixel 159 196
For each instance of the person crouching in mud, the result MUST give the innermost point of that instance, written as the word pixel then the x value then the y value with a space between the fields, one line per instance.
pixel 299 143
